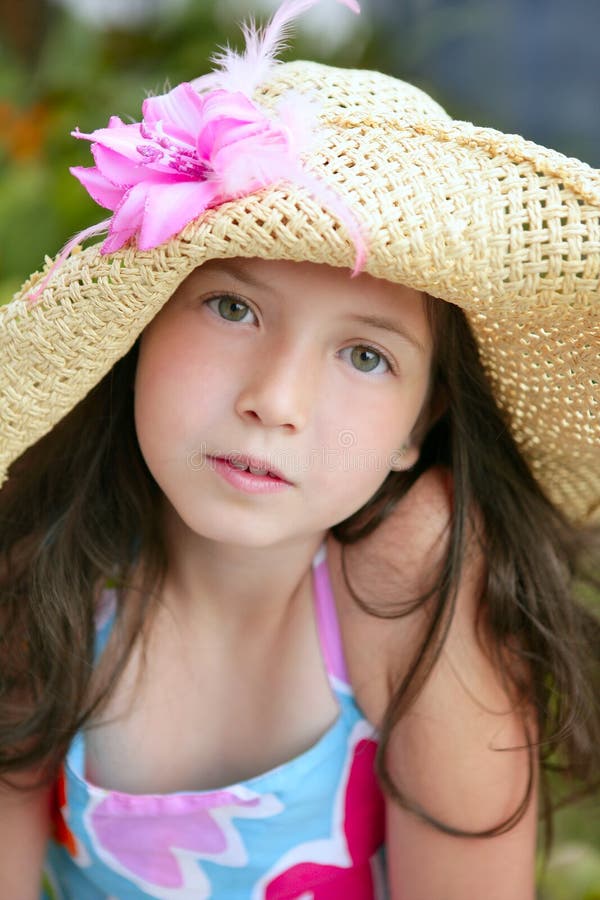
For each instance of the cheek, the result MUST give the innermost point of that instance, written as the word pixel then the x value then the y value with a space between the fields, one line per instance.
pixel 370 426
pixel 161 394
pixel 353 453
pixel 343 485
pixel 181 391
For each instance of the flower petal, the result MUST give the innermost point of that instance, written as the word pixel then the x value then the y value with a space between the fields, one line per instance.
pixel 253 162
pixel 261 132
pixel 121 170
pixel 116 240
pixel 223 114
pixel 180 111
pixel 129 215
pixel 123 139
pixel 170 207
pixel 100 189
pixel 231 105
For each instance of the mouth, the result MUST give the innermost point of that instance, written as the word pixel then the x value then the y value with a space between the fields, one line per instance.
pixel 253 465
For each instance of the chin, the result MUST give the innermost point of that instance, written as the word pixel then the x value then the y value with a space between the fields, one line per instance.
pixel 236 533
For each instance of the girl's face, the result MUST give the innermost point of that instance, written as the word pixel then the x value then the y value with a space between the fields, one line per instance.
pixel 289 363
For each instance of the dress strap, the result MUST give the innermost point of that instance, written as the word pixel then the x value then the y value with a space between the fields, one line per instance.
pixel 328 625
pixel 106 611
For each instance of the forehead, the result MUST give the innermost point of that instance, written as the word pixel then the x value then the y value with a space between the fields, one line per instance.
pixel 328 291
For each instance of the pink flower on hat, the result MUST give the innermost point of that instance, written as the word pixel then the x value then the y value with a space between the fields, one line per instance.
pixel 189 153
pixel 195 149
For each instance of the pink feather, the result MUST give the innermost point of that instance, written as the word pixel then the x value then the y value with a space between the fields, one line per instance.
pixel 245 71
pixel 34 296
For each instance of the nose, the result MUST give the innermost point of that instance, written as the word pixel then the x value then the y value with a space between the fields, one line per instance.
pixel 280 391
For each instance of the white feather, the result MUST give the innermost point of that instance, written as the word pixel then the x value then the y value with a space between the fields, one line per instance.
pixel 245 71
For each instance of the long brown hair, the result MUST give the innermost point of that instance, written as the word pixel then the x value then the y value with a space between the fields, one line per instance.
pixel 540 571
pixel 81 503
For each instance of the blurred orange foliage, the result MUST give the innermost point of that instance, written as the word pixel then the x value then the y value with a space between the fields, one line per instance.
pixel 23 131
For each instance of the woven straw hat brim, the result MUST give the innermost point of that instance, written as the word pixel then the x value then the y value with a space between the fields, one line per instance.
pixel 506 229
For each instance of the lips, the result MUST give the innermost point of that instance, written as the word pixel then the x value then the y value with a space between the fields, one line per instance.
pixel 254 465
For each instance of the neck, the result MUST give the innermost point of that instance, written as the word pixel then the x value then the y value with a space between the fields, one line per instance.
pixel 233 582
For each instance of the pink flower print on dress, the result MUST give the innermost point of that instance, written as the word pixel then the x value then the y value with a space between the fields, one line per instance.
pixel 342 865
pixel 134 836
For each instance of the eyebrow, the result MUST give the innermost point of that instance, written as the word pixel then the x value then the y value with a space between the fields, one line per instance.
pixel 385 324
pixel 229 267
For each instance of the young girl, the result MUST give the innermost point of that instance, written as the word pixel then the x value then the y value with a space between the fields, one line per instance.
pixel 290 559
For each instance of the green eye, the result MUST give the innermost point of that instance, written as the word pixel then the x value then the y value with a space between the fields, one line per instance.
pixel 230 308
pixel 365 359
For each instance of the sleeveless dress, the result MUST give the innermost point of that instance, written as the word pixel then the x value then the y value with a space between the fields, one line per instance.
pixel 311 828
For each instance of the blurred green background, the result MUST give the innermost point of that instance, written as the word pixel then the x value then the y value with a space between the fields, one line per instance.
pixel 73 63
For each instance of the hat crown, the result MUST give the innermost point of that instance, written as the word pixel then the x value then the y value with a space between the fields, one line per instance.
pixel 351 93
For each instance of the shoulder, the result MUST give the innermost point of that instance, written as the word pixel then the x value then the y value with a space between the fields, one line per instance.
pixel 395 564
pixel 445 752
pixel 24 830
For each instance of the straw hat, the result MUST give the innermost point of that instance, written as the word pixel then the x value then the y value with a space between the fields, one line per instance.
pixel 507 230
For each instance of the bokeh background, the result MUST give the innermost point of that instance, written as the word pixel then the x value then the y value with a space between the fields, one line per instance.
pixel 526 66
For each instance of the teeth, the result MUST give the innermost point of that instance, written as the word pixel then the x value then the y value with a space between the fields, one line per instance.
pixel 258 471
pixel 244 468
